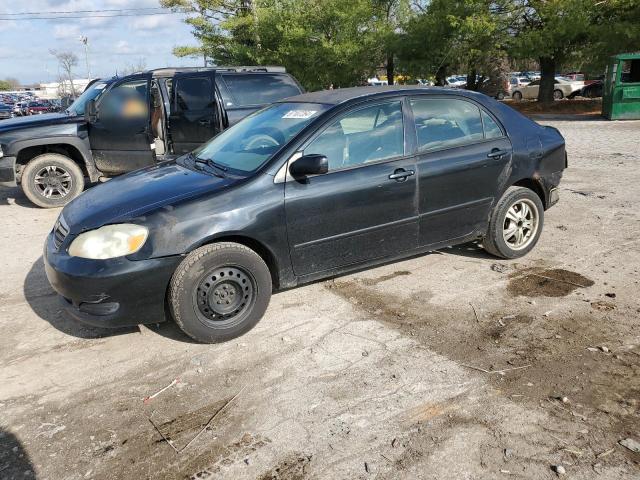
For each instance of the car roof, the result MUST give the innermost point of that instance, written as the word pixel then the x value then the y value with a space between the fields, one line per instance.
pixel 343 95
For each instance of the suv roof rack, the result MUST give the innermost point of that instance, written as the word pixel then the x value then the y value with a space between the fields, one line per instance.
pixel 169 71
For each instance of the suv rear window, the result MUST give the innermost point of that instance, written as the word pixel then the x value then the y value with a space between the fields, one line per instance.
pixel 257 89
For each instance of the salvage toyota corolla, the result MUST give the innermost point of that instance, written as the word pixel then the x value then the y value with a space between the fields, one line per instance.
pixel 307 188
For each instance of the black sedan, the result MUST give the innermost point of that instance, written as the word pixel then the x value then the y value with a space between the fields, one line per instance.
pixel 311 187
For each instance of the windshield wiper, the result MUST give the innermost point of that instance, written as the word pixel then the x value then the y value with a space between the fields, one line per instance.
pixel 210 163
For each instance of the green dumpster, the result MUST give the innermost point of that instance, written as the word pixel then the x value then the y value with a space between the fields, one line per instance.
pixel 621 92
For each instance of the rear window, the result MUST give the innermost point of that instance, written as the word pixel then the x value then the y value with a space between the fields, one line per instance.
pixel 257 89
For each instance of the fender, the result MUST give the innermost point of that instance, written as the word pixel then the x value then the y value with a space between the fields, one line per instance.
pixel 80 144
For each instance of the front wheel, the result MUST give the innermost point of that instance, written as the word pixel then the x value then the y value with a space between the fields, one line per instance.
pixel 52 180
pixel 219 292
pixel 515 225
pixel 558 95
pixel 517 96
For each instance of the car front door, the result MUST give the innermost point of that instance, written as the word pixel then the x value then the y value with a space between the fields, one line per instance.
pixel 120 137
pixel 193 119
pixel 463 154
pixel 365 207
pixel 531 90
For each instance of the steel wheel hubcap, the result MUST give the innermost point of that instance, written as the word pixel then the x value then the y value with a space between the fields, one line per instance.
pixel 520 224
pixel 225 293
pixel 53 182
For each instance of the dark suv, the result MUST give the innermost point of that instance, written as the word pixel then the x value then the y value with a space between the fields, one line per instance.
pixel 122 124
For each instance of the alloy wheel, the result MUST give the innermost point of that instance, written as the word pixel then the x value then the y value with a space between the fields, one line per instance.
pixel 520 224
pixel 53 181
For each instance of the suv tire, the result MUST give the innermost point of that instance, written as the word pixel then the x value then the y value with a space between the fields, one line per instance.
pixel 515 224
pixel 219 292
pixel 52 180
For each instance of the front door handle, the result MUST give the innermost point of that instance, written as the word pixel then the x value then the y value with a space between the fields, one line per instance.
pixel 401 174
pixel 497 153
pixel 204 122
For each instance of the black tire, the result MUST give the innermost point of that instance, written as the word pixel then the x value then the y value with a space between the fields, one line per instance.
pixel 500 224
pixel 517 96
pixel 206 283
pixel 558 95
pixel 63 174
pixel 500 96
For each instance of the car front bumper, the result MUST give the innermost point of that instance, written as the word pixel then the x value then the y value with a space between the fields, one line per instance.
pixel 8 171
pixel 110 293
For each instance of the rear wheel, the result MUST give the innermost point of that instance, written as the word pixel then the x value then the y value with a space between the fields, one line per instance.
pixel 219 292
pixel 52 180
pixel 516 224
pixel 517 96
pixel 558 95
pixel 500 96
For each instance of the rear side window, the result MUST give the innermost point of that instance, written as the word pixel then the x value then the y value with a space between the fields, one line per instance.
pixel 445 123
pixel 193 93
pixel 630 72
pixel 258 88
pixel 491 128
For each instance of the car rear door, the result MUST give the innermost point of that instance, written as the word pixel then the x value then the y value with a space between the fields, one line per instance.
pixel 463 153
pixel 121 138
pixel 193 119
pixel 365 207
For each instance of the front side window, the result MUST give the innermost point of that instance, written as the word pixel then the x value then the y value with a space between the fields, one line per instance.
pixel 193 94
pixel 251 142
pixel 127 101
pixel 445 123
pixel 369 134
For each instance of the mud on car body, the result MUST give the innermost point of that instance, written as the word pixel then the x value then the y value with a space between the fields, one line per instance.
pixel 308 188
pixel 121 124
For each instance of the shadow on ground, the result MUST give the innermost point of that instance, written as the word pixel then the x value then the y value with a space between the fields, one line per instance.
pixel 46 303
pixel 14 460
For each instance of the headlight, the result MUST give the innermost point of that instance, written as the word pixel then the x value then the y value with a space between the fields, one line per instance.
pixel 109 241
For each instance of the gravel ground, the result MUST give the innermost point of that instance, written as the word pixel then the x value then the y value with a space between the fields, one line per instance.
pixel 447 365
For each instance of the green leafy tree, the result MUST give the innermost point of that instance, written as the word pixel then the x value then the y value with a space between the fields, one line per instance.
pixel 555 31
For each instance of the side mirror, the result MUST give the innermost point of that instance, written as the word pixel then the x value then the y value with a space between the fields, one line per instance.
pixel 312 164
pixel 90 111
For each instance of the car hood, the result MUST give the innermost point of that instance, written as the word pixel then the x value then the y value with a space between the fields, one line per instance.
pixel 138 193
pixel 19 123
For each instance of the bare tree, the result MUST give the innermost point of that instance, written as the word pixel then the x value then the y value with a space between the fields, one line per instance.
pixel 138 66
pixel 67 61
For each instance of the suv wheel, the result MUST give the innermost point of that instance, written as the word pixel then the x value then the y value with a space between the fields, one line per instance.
pixel 52 180
pixel 219 292
pixel 516 224
pixel 517 96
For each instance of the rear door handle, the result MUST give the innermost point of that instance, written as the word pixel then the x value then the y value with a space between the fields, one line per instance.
pixel 401 174
pixel 204 122
pixel 497 153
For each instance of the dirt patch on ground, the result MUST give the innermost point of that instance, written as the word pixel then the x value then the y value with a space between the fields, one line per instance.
pixel 541 282
pixel 575 367
pixel 576 106
pixel 294 467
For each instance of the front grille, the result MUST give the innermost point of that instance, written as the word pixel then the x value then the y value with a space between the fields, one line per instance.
pixel 60 232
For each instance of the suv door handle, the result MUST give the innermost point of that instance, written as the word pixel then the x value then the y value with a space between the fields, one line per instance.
pixel 497 153
pixel 401 174
pixel 204 121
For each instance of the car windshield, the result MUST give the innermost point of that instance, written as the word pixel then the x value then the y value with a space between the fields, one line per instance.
pixel 91 93
pixel 250 143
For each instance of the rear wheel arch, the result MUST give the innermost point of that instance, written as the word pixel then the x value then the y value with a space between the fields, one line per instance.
pixel 535 185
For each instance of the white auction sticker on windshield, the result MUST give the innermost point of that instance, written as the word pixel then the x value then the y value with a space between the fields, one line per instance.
pixel 300 114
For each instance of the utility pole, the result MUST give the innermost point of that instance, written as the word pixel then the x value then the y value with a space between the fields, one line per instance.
pixel 85 42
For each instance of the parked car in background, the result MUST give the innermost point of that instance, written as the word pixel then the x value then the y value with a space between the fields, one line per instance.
pixel 346 179
pixel 457 81
pixel 20 109
pixel 497 88
pixel 122 124
pixel 6 111
pixel 561 89
pixel 516 82
pixel 37 108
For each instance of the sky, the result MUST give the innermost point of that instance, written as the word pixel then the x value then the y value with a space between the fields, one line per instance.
pixel 114 43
